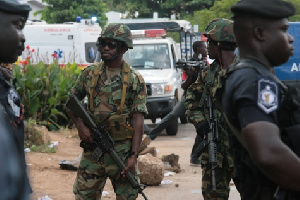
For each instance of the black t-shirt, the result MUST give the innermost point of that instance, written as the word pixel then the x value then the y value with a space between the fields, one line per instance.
pixel 250 96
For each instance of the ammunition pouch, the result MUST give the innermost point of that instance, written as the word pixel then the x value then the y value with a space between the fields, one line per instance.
pixel 119 128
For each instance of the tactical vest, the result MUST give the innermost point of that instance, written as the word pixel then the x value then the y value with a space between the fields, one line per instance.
pixel 250 182
pixel 118 125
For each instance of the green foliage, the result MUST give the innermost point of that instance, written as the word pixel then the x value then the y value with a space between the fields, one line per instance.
pixel 296 17
pixel 221 9
pixel 60 11
pixel 34 139
pixel 32 135
pixel 165 8
pixel 43 148
pixel 44 91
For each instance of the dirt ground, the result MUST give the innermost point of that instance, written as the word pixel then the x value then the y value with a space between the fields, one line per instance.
pixel 47 178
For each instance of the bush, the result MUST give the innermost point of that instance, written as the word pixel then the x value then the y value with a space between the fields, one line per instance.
pixel 44 89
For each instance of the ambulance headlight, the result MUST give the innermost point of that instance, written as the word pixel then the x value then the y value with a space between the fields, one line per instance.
pixel 161 88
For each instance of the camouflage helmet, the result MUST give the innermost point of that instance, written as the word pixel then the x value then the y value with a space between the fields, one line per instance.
pixel 220 30
pixel 119 32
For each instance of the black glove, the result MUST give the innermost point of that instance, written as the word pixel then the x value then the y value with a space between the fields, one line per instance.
pixel 202 128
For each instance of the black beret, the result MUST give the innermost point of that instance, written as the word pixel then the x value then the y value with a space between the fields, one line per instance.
pixel 265 8
pixel 15 7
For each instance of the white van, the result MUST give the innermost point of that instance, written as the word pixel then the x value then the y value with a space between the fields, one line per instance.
pixel 155 57
pixel 68 42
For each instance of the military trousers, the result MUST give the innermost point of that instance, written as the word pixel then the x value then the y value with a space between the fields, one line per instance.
pixel 92 175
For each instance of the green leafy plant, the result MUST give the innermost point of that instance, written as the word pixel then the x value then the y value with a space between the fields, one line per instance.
pixel 44 89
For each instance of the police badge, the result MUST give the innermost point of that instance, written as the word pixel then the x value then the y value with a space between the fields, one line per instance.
pixel 267 95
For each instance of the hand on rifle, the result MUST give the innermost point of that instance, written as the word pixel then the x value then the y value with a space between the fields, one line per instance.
pixel 84 133
pixel 131 163
pixel 202 128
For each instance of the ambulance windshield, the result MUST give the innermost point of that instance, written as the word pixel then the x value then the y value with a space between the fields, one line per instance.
pixel 148 56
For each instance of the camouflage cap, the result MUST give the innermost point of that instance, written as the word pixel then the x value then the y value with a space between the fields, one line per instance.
pixel 220 30
pixel 15 7
pixel 276 9
pixel 119 32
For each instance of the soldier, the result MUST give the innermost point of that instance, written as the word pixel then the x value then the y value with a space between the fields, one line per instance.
pixel 188 77
pixel 259 108
pixel 200 52
pixel 14 183
pixel 221 46
pixel 111 100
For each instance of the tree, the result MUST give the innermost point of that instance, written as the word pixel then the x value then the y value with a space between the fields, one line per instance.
pixel 164 8
pixel 296 17
pixel 221 9
pixel 60 11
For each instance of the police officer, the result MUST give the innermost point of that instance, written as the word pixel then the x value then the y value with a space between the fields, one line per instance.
pixel 14 183
pixel 221 46
pixel 258 107
pixel 116 95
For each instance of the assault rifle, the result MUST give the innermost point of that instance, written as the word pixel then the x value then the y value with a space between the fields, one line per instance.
pixel 103 141
pixel 210 140
pixel 199 64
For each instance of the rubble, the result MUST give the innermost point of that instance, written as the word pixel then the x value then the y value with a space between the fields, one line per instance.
pixel 151 169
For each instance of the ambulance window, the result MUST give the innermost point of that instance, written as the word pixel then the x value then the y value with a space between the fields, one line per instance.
pixel 90 51
pixel 148 56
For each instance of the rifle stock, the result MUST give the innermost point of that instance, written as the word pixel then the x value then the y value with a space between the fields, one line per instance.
pixel 103 141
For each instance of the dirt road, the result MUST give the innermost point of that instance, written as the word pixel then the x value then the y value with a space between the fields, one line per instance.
pixel 48 179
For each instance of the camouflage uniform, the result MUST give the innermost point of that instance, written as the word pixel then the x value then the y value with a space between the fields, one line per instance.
pixel 92 175
pixel 197 111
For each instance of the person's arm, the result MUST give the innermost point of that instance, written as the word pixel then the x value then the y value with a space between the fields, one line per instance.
pixel 138 109
pixel 84 132
pixel 189 79
pixel 78 90
pixel 138 126
pixel 271 155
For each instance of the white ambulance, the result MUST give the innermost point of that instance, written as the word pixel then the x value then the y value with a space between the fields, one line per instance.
pixel 155 57
pixel 70 42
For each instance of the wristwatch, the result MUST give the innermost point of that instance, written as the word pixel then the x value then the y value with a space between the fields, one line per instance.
pixel 131 153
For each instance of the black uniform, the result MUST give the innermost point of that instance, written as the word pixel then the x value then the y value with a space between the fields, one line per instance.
pixel 14 183
pixel 259 96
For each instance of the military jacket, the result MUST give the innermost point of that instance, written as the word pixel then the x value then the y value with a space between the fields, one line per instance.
pixel 197 109
pixel 13 165
pixel 108 91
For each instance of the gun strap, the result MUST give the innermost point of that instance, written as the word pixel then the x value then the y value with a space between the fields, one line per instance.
pixel 95 78
pixel 125 75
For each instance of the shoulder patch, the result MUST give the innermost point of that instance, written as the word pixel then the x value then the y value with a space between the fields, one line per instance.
pixel 267 95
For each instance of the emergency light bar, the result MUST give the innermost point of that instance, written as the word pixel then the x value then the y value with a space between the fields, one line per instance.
pixel 150 33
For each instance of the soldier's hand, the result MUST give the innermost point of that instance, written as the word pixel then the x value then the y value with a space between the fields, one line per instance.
pixel 202 128
pixel 191 71
pixel 131 162
pixel 85 134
